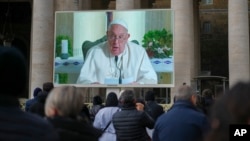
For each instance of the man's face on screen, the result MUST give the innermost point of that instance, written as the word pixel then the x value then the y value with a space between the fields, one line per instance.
pixel 117 39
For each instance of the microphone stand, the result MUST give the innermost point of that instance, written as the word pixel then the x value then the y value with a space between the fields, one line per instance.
pixel 120 71
pixel 120 77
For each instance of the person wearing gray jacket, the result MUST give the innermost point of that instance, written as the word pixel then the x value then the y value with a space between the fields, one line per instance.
pixel 129 123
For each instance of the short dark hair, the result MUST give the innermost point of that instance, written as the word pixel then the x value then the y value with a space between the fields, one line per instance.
pixel 207 93
pixel 97 100
pixel 36 91
pixel 13 72
pixel 48 86
pixel 150 96
pixel 111 100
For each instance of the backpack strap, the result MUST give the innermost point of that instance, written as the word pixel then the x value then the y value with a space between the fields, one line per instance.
pixel 109 123
pixel 106 126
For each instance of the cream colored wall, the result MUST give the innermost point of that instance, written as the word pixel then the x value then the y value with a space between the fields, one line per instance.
pixel 42 49
pixel 238 41
pixel 183 43
pixel 135 21
pixel 82 30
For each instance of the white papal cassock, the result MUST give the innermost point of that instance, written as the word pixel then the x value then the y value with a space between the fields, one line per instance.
pixel 133 65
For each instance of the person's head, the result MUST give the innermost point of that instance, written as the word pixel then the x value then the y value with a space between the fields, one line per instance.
pixel 111 100
pixel 140 104
pixel 185 92
pixel 64 101
pixel 231 108
pixel 140 100
pixel 36 91
pixel 127 98
pixel 97 100
pixel 48 86
pixel 42 96
pixel 207 93
pixel 13 72
pixel 200 101
pixel 118 36
pixel 150 96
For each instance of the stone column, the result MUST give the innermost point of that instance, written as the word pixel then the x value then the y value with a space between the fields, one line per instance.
pixel 238 38
pixel 137 4
pixel 42 43
pixel 64 5
pixel 197 58
pixel 125 4
pixel 183 42
pixel 85 4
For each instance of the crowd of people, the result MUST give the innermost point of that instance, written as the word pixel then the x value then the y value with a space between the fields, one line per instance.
pixel 126 118
pixel 59 114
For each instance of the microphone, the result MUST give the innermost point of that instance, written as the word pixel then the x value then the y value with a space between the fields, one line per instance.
pixel 116 59
pixel 120 77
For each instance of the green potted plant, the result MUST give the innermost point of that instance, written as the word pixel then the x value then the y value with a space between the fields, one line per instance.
pixel 158 43
pixel 159 47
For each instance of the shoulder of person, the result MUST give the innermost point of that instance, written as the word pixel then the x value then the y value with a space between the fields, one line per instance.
pixel 28 101
pixel 136 49
pixel 98 47
pixel 135 46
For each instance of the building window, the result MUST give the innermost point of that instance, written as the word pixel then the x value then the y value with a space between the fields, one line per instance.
pixel 207 2
pixel 206 27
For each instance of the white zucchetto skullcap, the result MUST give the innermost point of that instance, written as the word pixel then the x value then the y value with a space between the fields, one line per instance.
pixel 120 22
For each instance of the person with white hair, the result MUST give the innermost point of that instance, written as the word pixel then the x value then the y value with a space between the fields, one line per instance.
pixel 117 60
pixel 183 121
pixel 62 110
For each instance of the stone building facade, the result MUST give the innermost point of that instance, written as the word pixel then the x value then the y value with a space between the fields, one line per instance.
pixel 188 34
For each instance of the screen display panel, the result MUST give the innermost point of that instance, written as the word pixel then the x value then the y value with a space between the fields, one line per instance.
pixel 88 52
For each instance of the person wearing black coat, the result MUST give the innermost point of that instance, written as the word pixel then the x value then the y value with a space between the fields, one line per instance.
pixel 33 100
pixel 17 125
pixel 151 106
pixel 38 106
pixel 129 123
pixel 73 129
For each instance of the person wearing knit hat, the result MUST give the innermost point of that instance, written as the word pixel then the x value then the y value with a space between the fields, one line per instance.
pixel 13 72
pixel 17 124
pixel 117 60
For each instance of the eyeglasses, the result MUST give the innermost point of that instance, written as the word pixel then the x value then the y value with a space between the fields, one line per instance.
pixel 120 38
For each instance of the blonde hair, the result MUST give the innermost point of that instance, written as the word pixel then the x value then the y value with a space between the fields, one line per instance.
pixel 67 100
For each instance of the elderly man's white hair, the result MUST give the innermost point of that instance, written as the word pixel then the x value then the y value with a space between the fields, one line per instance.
pixel 184 92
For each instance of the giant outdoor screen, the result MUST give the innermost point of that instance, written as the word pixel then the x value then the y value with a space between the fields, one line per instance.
pixel 76 32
